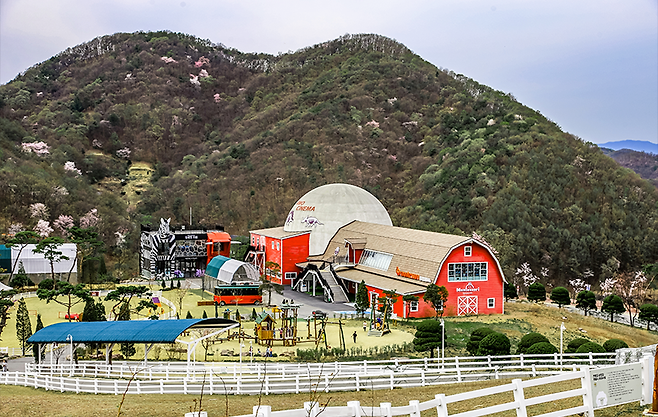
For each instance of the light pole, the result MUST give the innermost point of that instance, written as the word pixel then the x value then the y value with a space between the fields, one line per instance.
pixel 69 337
pixel 443 343
pixel 251 351
pixel 561 350
pixel 241 346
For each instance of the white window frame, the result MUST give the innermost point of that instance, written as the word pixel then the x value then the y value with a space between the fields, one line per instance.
pixel 375 259
pixel 491 303
pixel 460 271
pixel 272 245
pixel 468 250
pixel 278 247
pixel 291 275
pixel 413 306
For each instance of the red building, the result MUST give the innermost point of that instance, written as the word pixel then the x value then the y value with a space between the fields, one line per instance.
pixel 407 260
pixel 286 249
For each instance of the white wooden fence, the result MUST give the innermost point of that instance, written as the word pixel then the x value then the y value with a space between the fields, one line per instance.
pixel 583 396
pixel 457 368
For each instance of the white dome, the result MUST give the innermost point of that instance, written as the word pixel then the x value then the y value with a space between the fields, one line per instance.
pixel 326 209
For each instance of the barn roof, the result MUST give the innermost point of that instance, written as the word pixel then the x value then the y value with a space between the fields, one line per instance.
pixel 129 331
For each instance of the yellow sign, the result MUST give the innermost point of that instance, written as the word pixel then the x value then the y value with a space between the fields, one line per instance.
pixel 406 274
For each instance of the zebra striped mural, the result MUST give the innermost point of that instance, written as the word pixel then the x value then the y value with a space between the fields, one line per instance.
pixel 158 249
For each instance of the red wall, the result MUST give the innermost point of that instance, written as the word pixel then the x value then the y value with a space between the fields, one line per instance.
pixel 294 250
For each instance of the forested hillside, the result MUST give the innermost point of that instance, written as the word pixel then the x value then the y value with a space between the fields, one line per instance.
pixel 239 137
pixel 643 163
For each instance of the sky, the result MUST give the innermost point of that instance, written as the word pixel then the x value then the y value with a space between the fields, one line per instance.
pixel 591 66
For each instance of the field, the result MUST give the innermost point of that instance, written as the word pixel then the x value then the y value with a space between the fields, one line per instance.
pixel 519 319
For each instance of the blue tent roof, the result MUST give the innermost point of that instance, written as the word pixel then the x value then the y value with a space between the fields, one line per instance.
pixel 215 265
pixel 130 331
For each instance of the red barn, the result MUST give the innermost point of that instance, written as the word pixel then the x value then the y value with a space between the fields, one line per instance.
pixel 287 249
pixel 407 260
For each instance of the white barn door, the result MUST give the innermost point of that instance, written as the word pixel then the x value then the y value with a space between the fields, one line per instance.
pixel 467 304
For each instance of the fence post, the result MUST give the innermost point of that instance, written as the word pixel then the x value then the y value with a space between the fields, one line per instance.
pixel 297 384
pixel 415 406
pixel 326 383
pixel 648 375
pixel 441 405
pixel 521 359
pixel 355 408
pixel 161 386
pixel 588 398
pixel 422 378
pixel 425 362
pixel 356 380
pixel 519 398
pixel 386 410
pixel 262 410
pixel 534 370
pixel 459 372
pixel 392 380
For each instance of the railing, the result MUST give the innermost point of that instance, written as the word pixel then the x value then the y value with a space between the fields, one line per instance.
pixel 11 351
pixel 579 400
pixel 453 366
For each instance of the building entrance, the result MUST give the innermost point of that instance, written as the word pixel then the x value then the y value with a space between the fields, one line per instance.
pixel 467 304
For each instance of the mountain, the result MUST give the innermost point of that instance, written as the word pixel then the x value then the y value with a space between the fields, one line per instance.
pixel 235 139
pixel 644 164
pixel 634 145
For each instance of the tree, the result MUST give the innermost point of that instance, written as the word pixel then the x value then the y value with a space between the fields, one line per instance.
pixel 49 248
pixel 494 344
pixel 64 289
pixel 649 313
pixel 362 301
pixel 23 325
pixel 123 296
pixel 529 340
pixel 573 346
pixel 560 295
pixel 38 358
pixel 266 284
pixel 21 239
pixel 428 336
pixel 408 299
pixel 537 292
pixel 127 349
pixel 473 345
pixel 21 279
pixel 613 304
pixel 5 305
pixel 386 302
pixel 586 301
pixel 510 291
pixel 93 311
pixel 88 247
pixel 541 348
pixel 590 347
pixel 437 297
pixel 179 295
pixel 611 345
pixel 632 288
pixel 188 315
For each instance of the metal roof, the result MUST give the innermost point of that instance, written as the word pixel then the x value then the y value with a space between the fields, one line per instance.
pixel 129 331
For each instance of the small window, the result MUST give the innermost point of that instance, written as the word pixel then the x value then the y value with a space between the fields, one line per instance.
pixel 278 246
pixel 291 275
pixel 253 241
pixel 413 306
pixel 468 250
pixel 491 302
pixel 272 245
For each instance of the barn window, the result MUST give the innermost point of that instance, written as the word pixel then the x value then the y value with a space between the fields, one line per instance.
pixel 467 271
pixel 413 306
pixel 468 250
pixel 374 259
pixel 491 302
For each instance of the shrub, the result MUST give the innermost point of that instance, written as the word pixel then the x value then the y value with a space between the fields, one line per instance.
pixel 494 344
pixel 541 348
pixel 47 284
pixel 428 336
pixel 473 344
pixel 537 292
pixel 560 295
pixel 590 347
pixel 529 340
pixel 573 346
pixel 614 344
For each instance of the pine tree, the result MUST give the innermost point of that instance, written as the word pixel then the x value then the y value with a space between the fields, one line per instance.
pixel 23 325
pixel 127 349
pixel 613 304
pixel 586 301
pixel 361 302
pixel 537 292
pixel 205 315
pixel 35 350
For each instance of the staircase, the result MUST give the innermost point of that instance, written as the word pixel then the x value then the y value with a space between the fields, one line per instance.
pixel 337 291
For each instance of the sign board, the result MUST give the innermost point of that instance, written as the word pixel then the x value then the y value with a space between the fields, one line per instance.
pixel 616 385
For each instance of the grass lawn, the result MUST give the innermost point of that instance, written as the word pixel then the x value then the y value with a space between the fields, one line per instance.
pixel 22 402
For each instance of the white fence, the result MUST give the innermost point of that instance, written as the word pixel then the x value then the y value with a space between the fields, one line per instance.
pixel 455 369
pixel 11 351
pixel 583 396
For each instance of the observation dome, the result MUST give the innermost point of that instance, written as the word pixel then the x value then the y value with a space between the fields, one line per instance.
pixel 326 209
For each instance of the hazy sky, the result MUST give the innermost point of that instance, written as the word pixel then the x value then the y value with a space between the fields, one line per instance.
pixel 589 65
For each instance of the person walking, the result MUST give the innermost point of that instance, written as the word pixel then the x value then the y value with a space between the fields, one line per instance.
pixel 354 336
pixel 365 325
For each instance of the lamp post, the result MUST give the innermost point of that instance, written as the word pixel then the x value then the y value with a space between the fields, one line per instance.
pixel 443 343
pixel 70 338
pixel 561 339
pixel 251 352
pixel 241 346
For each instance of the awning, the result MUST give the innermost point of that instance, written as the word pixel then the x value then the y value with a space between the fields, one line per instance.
pixel 129 331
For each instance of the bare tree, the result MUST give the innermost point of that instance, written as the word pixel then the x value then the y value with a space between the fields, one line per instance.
pixel 179 294
pixel 632 288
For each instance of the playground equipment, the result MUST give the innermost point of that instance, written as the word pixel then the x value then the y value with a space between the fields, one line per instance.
pixel 379 324
pixel 268 333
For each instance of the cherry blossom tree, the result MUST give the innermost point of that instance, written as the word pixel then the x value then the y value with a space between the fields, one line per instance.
pixel 43 228
pixel 39 211
pixel 70 167
pixel 39 148
pixel 62 224
pixel 90 219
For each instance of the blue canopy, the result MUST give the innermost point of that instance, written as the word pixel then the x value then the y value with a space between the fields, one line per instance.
pixel 129 331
